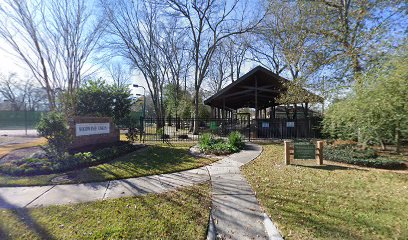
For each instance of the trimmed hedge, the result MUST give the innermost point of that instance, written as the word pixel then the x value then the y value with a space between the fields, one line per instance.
pixel 366 158
pixel 36 166
pixel 208 144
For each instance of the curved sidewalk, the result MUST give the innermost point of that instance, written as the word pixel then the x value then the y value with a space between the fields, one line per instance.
pixel 235 214
pixel 37 196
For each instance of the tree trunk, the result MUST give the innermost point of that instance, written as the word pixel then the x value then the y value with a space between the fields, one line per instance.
pixel 383 147
pixel 397 139
pixel 196 112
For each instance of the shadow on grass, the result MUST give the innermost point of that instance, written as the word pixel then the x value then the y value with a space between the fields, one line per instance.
pixel 24 217
pixel 177 215
pixel 328 167
pixel 151 160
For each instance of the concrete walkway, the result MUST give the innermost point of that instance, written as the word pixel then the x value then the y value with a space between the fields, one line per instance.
pixel 236 213
pixel 28 197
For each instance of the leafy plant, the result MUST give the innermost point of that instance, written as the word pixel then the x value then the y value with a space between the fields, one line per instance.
pixel 97 98
pixel 235 139
pixel 209 144
pixel 366 158
pixel 53 126
pixel 36 166
pixel 376 110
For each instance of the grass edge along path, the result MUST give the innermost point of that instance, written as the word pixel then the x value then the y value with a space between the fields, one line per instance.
pixel 154 159
pixel 329 202
pixel 181 214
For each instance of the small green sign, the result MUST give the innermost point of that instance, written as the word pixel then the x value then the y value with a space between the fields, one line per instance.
pixel 304 151
pixel 213 126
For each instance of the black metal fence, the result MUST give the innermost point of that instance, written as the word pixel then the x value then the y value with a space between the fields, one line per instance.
pixel 176 129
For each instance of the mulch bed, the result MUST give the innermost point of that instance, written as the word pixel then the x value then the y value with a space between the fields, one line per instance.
pixel 20 154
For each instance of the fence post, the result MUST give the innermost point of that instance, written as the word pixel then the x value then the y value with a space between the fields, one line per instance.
pixel 25 118
pixel 287 152
pixel 319 154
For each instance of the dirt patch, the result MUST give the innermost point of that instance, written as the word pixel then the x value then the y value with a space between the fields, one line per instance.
pixel 61 179
pixel 11 140
pixel 20 154
pixel 195 151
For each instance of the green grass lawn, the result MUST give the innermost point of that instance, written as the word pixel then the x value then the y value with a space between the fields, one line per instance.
pixel 329 202
pixel 154 159
pixel 175 215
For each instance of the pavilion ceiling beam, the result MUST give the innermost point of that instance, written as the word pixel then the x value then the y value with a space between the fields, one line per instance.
pixel 262 89
pixel 237 93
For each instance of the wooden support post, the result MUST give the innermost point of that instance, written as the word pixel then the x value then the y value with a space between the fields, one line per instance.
pixel 319 152
pixel 287 152
pixel 223 108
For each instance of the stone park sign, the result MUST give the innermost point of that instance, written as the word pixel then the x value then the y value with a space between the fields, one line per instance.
pixel 92 131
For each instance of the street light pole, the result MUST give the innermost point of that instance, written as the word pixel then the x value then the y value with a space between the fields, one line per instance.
pixel 144 98
pixel 144 108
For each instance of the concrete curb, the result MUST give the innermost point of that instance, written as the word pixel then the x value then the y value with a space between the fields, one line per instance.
pixel 211 234
pixel 271 229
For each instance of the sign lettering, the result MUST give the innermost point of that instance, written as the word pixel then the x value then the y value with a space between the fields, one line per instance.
pixel 85 129
pixel 304 151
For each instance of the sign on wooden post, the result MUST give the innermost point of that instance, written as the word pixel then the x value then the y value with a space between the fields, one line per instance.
pixel 287 152
pixel 319 152
pixel 304 151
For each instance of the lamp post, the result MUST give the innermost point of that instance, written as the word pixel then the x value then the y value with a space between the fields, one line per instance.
pixel 144 97
pixel 144 108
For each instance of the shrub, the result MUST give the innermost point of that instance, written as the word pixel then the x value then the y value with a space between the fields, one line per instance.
pixel 235 140
pixel 97 98
pixel 133 126
pixel 53 126
pixel 36 166
pixel 209 144
pixel 365 158
pixel 206 140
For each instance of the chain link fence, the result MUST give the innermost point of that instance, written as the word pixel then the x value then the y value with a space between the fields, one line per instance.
pixel 19 120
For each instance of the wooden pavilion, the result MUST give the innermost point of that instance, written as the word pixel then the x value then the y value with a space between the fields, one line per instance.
pixel 259 89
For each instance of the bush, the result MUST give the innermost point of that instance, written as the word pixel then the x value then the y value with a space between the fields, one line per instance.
pixel 235 139
pixel 97 98
pixel 53 126
pixel 365 158
pixel 211 145
pixel 206 140
pixel 36 166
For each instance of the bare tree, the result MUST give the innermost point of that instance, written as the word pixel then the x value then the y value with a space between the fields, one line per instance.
pixel 264 50
pixel 178 59
pixel 11 92
pixel 133 33
pixel 209 23
pixel 237 49
pixel 54 39
pixel 119 74
pixel 220 68
pixel 21 94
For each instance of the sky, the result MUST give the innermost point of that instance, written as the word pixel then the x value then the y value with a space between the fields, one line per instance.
pixel 12 64
pixel 9 63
